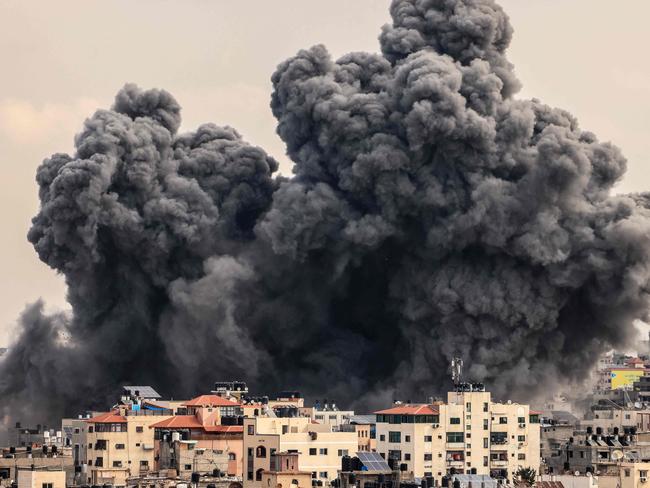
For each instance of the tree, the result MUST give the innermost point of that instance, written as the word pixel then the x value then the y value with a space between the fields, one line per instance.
pixel 527 475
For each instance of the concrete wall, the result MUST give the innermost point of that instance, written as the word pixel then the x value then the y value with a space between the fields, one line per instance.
pixel 38 478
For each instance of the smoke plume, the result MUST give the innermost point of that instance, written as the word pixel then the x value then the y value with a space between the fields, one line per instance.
pixel 431 214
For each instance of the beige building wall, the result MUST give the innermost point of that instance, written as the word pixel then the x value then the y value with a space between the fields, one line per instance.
pixel 364 442
pixel 41 478
pixel 319 448
pixel 286 480
pixel 124 453
pixel 634 475
pixel 472 434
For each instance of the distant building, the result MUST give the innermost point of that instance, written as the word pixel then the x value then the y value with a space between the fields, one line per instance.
pixel 469 434
pixel 41 478
pixel 318 447
pixel 284 472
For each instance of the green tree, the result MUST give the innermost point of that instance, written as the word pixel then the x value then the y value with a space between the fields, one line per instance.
pixel 526 475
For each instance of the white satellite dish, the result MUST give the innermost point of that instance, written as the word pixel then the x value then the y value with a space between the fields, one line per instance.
pixel 577 473
pixel 617 455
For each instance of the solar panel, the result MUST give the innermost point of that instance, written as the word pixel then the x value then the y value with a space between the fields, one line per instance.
pixel 373 461
pixel 144 391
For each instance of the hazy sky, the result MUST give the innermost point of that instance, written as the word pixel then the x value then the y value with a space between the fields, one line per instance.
pixel 62 60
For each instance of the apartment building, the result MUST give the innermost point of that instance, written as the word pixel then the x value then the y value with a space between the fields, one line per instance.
pixel 208 438
pixel 469 434
pixel 121 444
pixel 319 448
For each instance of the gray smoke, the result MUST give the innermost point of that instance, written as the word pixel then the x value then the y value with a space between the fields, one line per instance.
pixel 430 214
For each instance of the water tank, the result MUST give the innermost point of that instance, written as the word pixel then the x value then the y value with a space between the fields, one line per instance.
pixel 346 463
pixel 196 477
pixel 176 436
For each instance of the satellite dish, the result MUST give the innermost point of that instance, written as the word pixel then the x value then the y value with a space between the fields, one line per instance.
pixel 577 473
pixel 589 475
pixel 617 455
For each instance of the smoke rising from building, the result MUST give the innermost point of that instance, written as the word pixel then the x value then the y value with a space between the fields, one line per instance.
pixel 431 214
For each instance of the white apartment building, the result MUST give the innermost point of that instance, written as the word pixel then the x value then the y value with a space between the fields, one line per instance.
pixel 319 448
pixel 469 434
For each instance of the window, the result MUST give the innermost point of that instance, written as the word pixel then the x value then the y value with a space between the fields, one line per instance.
pixel 454 420
pixel 323 474
pixel 260 452
pixel 314 474
pixel 407 457
pixel 251 430
pixel 427 438
pixel 503 420
pixel 468 406
pixel 485 424
pixel 319 417
pixel 139 429
pixel 468 455
pixel 313 451
pixel 144 463
pixel 582 454
pixel 627 473
pixel 258 474
pixel 342 452
pixel 468 427
pixel 76 431
pixel 643 473
pixel 455 437
pixel 117 464
pixel 627 416
pixel 119 446
pixel 99 462
pixel 485 442
pixel 485 406
pixel 323 451
pixel 285 429
pixel 100 444
pixel 395 455
pixel 232 456
pixel 521 420
pixel 137 444
pixel 188 467
pixel 428 457
pixel 47 485
pixel 407 438
pixel 394 436
pixel 485 460
pixel 332 417
pixel 521 438
pixel 521 456
pixel 91 429
pixel 382 437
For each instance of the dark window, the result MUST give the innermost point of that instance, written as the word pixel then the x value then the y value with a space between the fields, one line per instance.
pixel 139 429
pixel 382 437
pixel 455 437
pixel 47 485
pixel 395 455
pixel 313 451
pixel 232 456
pixel 503 420
pixel 407 438
pixel 91 429
pixel 99 462
pixel 427 438
pixel 258 474
pixel 394 436
pixel 117 464
pixel 119 446
pixel 323 451
pixel 342 452
pixel 260 452
pixel 251 430
pixel 428 457
pixel 144 463
pixel 454 420
pixel 407 457
pixel 485 407
pixel 188 467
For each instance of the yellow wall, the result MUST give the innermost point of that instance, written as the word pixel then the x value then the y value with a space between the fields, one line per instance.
pixel 624 378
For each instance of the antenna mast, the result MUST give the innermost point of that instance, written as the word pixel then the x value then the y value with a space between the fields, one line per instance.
pixel 456 370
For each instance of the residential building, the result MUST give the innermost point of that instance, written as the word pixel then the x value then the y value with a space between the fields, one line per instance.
pixel 209 438
pixel 319 448
pixel 121 444
pixel 364 426
pixel 41 478
pixel 469 434
pixel 285 471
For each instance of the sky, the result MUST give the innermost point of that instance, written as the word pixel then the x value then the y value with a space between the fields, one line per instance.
pixel 62 60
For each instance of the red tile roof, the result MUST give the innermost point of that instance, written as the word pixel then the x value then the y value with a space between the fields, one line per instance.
pixel 534 412
pixel 410 410
pixel 210 401
pixel 178 422
pixel 108 418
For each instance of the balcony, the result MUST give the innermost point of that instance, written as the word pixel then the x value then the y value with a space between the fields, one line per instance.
pixel 500 463
pixel 453 463
pixel 455 445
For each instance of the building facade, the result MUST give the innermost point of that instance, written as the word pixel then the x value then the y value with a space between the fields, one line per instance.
pixel 469 434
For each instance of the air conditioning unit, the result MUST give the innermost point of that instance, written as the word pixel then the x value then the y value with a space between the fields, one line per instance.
pixel 522 425
pixel 643 479
pixel 435 426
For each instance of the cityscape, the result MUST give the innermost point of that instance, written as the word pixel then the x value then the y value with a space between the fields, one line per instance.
pixel 324 244
pixel 232 437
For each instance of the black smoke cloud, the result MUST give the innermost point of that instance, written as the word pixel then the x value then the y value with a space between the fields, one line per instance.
pixel 431 214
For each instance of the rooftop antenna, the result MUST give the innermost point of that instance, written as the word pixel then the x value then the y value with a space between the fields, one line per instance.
pixel 456 370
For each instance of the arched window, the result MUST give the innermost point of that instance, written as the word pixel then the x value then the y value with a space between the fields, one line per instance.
pixel 256 412
pixel 232 456
pixel 258 474
pixel 294 482
pixel 260 452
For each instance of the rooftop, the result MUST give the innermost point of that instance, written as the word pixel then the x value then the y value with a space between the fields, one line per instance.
pixel 406 409
pixel 210 401
pixel 108 418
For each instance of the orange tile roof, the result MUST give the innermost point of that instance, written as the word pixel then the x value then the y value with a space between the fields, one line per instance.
pixel 108 418
pixel 410 410
pixel 534 412
pixel 178 422
pixel 210 401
